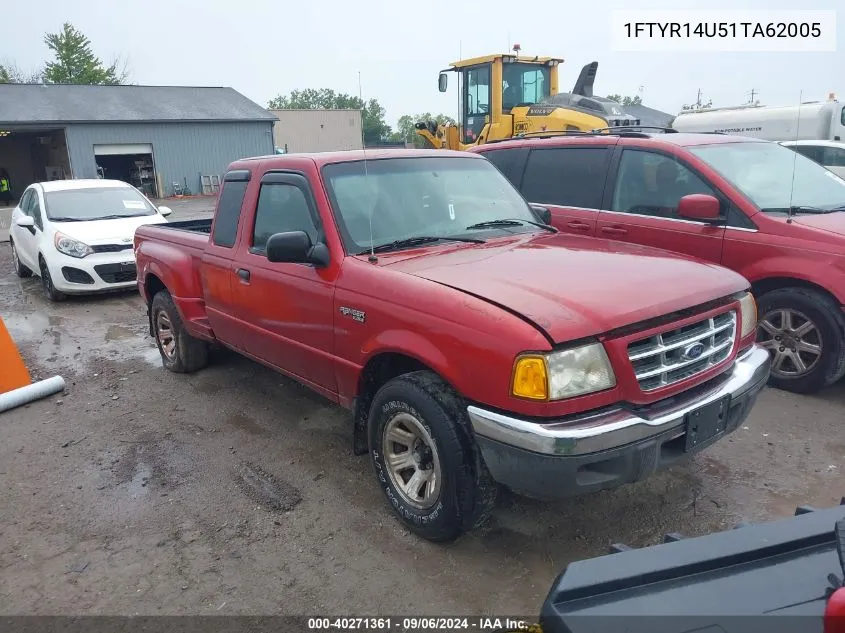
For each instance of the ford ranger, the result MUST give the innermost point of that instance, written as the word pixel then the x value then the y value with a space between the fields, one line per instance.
pixel 474 344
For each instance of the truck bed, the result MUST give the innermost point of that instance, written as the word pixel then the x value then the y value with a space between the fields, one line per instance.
pixel 195 226
pixel 728 582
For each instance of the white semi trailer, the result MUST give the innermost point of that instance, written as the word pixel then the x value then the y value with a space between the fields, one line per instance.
pixel 818 120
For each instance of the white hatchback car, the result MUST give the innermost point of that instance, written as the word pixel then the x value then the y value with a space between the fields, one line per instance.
pixel 77 235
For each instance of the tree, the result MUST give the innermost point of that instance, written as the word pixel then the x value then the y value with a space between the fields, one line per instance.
pixel 75 62
pixel 626 101
pixel 11 74
pixel 372 116
pixel 406 132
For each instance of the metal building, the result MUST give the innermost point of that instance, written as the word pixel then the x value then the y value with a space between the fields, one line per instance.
pixel 162 139
pixel 317 130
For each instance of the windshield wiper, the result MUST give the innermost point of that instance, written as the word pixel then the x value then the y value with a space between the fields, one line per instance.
pixel 417 241
pixel 801 209
pixel 63 219
pixel 510 222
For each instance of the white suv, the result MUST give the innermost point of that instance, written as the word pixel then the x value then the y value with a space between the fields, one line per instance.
pixel 77 235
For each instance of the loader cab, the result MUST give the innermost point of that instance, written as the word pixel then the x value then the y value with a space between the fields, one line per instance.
pixel 490 87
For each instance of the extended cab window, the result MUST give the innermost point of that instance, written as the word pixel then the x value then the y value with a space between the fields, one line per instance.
pixel 281 208
pixel 229 211
pixel 652 184
pixel 566 176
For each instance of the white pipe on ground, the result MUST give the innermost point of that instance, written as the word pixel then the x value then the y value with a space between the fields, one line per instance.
pixel 30 393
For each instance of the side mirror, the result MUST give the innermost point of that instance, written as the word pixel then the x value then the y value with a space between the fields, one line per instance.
pixel 26 222
pixel 543 213
pixel 295 247
pixel 700 207
pixel 165 211
pixel 442 82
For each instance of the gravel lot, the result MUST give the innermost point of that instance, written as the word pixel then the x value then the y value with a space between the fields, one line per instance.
pixel 235 491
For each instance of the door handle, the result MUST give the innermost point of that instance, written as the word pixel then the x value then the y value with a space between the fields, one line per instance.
pixel 243 273
pixel 581 226
pixel 614 230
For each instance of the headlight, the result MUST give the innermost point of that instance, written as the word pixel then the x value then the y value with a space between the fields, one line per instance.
pixel 70 246
pixel 748 312
pixel 563 374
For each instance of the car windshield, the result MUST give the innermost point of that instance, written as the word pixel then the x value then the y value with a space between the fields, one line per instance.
pixel 95 203
pixel 764 173
pixel 404 198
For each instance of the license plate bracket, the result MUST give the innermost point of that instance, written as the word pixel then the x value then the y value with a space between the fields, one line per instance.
pixel 706 423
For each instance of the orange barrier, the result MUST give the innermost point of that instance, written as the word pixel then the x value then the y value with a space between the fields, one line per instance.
pixel 13 372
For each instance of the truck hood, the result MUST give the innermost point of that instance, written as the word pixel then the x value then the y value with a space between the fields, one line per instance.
pixel 572 287
pixel 832 222
pixel 106 231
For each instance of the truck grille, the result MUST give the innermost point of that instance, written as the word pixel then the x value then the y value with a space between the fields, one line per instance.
pixel 675 355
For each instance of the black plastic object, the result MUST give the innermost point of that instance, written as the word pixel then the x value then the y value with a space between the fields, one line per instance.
pixel 767 578
pixel 195 226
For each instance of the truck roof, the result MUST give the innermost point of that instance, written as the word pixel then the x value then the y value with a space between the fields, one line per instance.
pixel 345 156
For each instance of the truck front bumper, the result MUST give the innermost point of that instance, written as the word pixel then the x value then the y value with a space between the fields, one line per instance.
pixel 582 454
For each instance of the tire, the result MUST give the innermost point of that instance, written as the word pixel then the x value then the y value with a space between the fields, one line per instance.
pixel 20 270
pixel 47 283
pixel 180 352
pixel 421 402
pixel 816 324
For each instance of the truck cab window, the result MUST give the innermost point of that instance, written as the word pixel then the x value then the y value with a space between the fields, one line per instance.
pixel 523 84
pixel 228 212
pixel 476 101
pixel 649 183
pixel 281 208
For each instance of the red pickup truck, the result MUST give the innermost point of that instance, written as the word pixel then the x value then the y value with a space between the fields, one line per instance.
pixel 475 344
pixel 765 211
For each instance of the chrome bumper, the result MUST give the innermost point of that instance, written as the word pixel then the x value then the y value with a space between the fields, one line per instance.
pixel 615 428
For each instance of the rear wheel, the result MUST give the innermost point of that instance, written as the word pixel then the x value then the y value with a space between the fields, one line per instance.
pixel 425 459
pixel 180 352
pixel 20 270
pixel 804 330
pixel 47 283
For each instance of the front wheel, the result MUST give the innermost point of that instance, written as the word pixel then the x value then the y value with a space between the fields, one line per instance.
pixel 425 459
pixel 804 330
pixel 180 352
pixel 47 283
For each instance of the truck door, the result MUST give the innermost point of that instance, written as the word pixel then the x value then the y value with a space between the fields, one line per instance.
pixel 218 261
pixel 642 202
pixel 288 308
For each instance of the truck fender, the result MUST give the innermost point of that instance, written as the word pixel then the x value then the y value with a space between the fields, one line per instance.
pixel 406 343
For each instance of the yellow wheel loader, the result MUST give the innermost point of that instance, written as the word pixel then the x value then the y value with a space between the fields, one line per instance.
pixel 502 96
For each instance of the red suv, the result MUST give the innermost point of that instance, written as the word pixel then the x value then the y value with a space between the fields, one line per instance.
pixel 765 211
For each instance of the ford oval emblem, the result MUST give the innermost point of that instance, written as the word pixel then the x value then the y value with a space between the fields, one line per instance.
pixel 693 351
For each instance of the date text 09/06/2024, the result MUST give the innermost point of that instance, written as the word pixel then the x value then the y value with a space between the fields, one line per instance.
pixel 432 624
pixel 723 29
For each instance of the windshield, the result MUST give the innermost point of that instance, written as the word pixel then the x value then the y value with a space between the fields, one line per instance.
pixel 407 197
pixel 764 173
pixel 95 203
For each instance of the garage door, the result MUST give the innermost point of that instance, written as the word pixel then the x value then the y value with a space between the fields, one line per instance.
pixel 123 149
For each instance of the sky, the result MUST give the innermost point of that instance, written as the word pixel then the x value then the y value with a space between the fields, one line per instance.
pixel 263 48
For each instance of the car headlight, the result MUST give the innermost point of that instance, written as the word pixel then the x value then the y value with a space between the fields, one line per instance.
pixel 748 314
pixel 70 246
pixel 563 374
